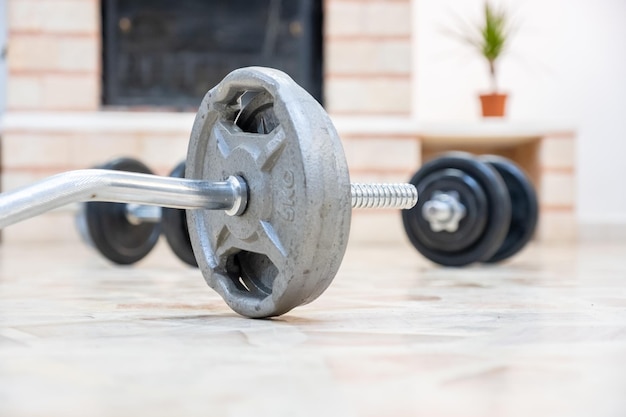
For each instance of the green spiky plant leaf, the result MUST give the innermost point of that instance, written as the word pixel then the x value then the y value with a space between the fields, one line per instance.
pixel 490 38
pixel 495 35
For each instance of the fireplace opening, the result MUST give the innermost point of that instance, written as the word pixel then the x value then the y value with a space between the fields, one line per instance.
pixel 171 52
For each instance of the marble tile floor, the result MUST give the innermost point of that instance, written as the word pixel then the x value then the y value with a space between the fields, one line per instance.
pixel 542 335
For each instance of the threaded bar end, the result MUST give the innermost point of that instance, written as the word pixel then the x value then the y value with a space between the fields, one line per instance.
pixel 396 196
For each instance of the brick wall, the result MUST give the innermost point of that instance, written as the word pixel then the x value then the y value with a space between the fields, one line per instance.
pixel 557 187
pixel 368 90
pixel 368 57
pixel 53 55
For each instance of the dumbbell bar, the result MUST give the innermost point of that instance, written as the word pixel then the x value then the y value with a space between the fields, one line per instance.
pixel 137 214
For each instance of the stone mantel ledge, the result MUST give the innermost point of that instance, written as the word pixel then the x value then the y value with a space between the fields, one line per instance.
pixel 444 132
pixel 120 121
pixel 100 121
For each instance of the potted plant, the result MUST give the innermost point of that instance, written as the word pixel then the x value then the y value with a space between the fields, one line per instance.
pixel 490 38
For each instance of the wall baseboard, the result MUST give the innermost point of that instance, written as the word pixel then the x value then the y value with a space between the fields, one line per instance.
pixel 602 232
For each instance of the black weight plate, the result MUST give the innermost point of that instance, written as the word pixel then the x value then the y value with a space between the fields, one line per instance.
pixel 110 231
pixel 495 212
pixel 524 207
pixel 175 230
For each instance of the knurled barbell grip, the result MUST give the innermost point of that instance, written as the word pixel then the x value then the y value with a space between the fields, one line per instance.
pixel 129 187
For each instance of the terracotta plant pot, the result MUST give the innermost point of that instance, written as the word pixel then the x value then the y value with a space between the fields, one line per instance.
pixel 493 104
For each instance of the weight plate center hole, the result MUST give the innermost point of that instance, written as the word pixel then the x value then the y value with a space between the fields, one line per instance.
pixel 252 272
pixel 257 113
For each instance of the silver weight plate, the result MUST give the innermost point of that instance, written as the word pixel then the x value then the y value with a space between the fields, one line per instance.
pixel 286 248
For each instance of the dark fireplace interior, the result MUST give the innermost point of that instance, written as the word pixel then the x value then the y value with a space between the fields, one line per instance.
pixel 171 52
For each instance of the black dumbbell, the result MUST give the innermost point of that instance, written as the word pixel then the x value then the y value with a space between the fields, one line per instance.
pixel 471 210
pixel 126 233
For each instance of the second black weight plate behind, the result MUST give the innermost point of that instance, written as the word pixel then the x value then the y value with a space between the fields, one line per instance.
pixel 175 230
pixel 524 207
pixel 109 230
pixel 481 191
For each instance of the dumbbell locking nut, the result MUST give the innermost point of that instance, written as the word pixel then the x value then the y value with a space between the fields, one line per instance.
pixel 444 211
pixel 127 187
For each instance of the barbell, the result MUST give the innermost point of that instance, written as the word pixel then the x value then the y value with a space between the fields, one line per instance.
pixel 266 189
pixel 254 253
